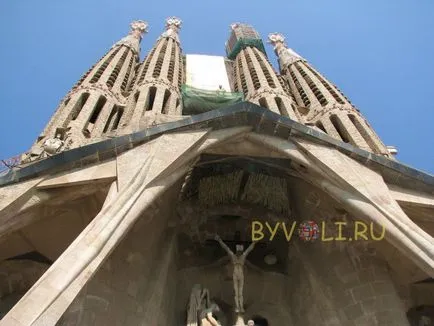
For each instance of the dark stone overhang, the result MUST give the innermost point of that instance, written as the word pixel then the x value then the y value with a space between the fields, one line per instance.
pixel 242 114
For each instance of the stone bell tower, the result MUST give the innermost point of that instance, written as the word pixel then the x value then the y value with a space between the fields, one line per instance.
pixel 156 91
pixel 325 106
pixel 254 75
pixel 95 105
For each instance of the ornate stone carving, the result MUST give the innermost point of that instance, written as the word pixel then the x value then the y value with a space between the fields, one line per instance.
pixel 53 145
pixel 199 301
pixel 173 24
pixel 286 56
pixel 138 28
pixel 275 38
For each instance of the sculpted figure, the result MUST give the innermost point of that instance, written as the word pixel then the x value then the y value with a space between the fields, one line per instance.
pixel 52 146
pixel 207 318
pixel 238 259
pixel 199 301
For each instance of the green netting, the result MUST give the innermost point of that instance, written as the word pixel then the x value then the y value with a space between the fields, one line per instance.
pixel 243 43
pixel 197 100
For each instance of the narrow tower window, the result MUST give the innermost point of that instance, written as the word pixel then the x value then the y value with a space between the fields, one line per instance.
pixel 320 126
pixel 363 132
pixel 151 98
pixel 119 114
pixel 263 102
pixel 114 118
pixel 110 119
pixel 340 128
pixel 94 116
pixel 280 105
pixel 165 108
pixel 79 105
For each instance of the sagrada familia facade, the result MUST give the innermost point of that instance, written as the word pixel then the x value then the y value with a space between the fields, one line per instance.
pixel 209 190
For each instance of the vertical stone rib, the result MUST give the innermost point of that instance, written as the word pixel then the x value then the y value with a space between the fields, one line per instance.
pixel 255 74
pixel 177 72
pixel 153 61
pixel 126 73
pixel 330 128
pixel 267 70
pixel 300 95
pixel 305 87
pixel 355 136
pixel 79 124
pixel 139 107
pixel 110 75
pixel 247 75
pixel 181 73
pixel 315 90
pixel 145 66
pixel 242 77
pixel 103 118
pixel 172 62
pixel 367 133
pixel 328 87
pixel 103 66
pixel 166 60
pixel 120 71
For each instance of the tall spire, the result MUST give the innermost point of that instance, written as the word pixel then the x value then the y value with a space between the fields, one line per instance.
pixel 94 106
pixel 156 95
pixel 326 107
pixel 138 28
pixel 254 75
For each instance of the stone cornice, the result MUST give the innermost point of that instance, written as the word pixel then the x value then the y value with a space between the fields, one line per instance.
pixel 243 114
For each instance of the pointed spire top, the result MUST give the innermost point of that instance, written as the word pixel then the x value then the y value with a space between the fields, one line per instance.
pixel 276 39
pixel 286 55
pixel 138 28
pixel 173 24
pixel 132 40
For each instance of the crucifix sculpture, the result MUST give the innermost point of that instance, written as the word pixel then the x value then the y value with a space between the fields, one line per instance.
pixel 238 259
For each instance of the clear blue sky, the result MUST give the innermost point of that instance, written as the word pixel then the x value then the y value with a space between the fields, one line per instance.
pixel 379 52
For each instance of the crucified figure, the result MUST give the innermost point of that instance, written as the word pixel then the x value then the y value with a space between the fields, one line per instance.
pixel 238 259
